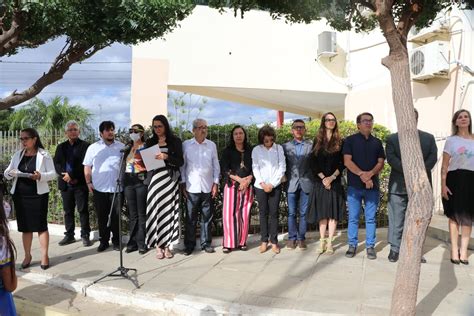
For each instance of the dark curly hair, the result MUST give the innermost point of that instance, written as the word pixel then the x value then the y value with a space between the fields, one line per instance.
pixel 266 130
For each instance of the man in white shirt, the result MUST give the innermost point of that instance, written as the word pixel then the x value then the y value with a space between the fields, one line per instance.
pixel 199 184
pixel 101 170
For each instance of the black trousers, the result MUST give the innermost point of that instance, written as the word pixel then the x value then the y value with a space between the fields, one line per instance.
pixel 76 196
pixel 102 203
pixel 268 205
pixel 136 194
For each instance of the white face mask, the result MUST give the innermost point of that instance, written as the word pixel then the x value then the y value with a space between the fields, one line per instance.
pixel 135 136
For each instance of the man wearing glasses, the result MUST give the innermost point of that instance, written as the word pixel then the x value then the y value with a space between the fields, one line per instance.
pixel 72 183
pixel 101 170
pixel 199 184
pixel 298 173
pixel 364 158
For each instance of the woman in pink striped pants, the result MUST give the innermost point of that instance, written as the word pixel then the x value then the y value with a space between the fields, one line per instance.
pixel 236 167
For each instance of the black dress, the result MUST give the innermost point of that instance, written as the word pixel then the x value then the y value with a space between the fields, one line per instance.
pixel 31 208
pixel 325 203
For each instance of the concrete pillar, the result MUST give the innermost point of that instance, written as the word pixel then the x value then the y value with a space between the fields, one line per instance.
pixel 149 95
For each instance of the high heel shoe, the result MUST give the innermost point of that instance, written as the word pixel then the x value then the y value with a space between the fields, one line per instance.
pixel 454 261
pixel 45 266
pixel 26 265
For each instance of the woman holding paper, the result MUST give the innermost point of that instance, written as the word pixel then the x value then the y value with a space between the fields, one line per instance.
pixel 162 224
pixel 136 190
pixel 31 168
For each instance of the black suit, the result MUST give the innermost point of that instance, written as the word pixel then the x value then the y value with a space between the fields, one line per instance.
pixel 76 192
pixel 398 198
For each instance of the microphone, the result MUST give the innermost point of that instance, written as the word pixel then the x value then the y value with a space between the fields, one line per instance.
pixel 127 147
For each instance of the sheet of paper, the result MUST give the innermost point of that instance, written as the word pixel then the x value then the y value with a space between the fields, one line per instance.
pixel 148 156
pixel 18 174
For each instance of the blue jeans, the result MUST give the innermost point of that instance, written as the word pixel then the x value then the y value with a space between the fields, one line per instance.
pixel 295 199
pixel 354 203
pixel 198 202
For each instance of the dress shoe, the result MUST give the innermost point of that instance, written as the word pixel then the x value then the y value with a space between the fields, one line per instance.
pixel 290 245
pixel 86 242
pixel 188 251
pixel 102 247
pixel 116 247
pixel 275 248
pixel 465 262
pixel 208 249
pixel 302 245
pixel 131 249
pixel 243 247
pixel 423 259
pixel 393 256
pixel 142 251
pixel 67 240
pixel 226 250
pixel 263 247
pixel 351 252
pixel 455 261
pixel 371 255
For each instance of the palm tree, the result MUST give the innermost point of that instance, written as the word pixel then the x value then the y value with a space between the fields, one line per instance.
pixel 50 117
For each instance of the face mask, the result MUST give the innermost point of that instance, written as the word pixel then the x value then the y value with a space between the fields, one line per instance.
pixel 135 136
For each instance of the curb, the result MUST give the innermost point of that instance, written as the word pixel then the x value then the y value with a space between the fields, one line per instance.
pixel 24 307
pixel 443 235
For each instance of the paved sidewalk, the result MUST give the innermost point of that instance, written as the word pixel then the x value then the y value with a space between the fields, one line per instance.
pixel 296 282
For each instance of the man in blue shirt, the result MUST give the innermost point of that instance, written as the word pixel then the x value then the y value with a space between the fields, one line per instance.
pixel 300 184
pixel 364 158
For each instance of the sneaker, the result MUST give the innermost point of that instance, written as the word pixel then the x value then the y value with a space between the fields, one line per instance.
pixel 67 240
pixel 290 245
pixel 302 245
pixel 393 256
pixel 208 249
pixel 351 252
pixel 371 255
pixel 86 242
pixel 102 247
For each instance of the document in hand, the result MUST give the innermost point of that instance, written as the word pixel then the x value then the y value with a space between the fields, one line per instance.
pixel 148 156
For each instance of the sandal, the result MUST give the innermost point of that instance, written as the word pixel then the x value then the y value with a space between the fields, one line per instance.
pixel 159 253
pixel 168 253
pixel 329 248
pixel 322 246
pixel 243 248
pixel 226 250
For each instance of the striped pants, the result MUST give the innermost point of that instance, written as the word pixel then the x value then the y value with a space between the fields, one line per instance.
pixel 236 215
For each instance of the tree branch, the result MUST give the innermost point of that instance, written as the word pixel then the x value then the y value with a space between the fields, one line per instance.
pixel 409 16
pixel 9 38
pixel 75 52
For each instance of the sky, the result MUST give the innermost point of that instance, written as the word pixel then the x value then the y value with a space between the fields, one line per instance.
pixel 102 85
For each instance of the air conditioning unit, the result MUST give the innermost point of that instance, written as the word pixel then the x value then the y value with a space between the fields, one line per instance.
pixel 327 45
pixel 430 61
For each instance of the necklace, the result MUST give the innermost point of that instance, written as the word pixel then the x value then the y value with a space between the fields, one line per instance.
pixel 26 164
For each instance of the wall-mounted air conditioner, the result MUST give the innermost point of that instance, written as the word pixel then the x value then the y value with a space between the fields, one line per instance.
pixel 327 45
pixel 430 61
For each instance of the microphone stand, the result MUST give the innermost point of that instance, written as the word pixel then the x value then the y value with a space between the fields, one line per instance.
pixel 121 271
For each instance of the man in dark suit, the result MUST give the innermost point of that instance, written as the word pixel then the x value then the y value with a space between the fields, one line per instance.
pixel 72 184
pixel 300 183
pixel 397 193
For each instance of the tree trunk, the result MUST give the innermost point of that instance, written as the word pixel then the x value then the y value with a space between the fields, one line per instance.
pixel 420 195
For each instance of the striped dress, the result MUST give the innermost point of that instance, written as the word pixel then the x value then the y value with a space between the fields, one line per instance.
pixel 237 203
pixel 162 223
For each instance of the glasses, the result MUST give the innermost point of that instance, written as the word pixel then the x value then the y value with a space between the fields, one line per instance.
pixel 25 138
pixel 72 129
pixel 299 128
pixel 158 126
pixel 367 121
pixel 330 120
pixel 201 127
pixel 135 130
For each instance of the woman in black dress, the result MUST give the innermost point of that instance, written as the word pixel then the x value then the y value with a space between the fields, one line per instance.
pixel 31 168
pixel 327 203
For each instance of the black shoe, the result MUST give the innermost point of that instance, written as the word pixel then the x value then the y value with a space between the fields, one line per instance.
pixel 351 252
pixel 371 255
pixel 102 247
pixel 67 240
pixel 130 249
pixel 188 251
pixel 465 262
pixel 454 261
pixel 44 266
pixel 86 242
pixel 142 251
pixel 116 247
pixel 423 259
pixel 208 249
pixel 393 256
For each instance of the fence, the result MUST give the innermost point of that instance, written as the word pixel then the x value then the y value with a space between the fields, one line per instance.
pixel 9 143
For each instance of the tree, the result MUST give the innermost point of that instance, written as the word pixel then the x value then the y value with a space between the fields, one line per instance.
pixel 395 19
pixel 5 119
pixel 51 116
pixel 88 26
pixel 186 108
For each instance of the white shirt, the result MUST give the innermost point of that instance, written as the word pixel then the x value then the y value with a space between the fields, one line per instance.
pixel 461 151
pixel 104 160
pixel 201 166
pixel 268 165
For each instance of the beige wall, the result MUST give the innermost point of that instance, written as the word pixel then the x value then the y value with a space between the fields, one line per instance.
pixel 149 90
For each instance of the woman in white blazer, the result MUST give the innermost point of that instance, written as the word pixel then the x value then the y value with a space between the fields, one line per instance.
pixel 31 168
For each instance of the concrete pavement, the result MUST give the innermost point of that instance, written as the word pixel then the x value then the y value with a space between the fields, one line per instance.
pixel 296 282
